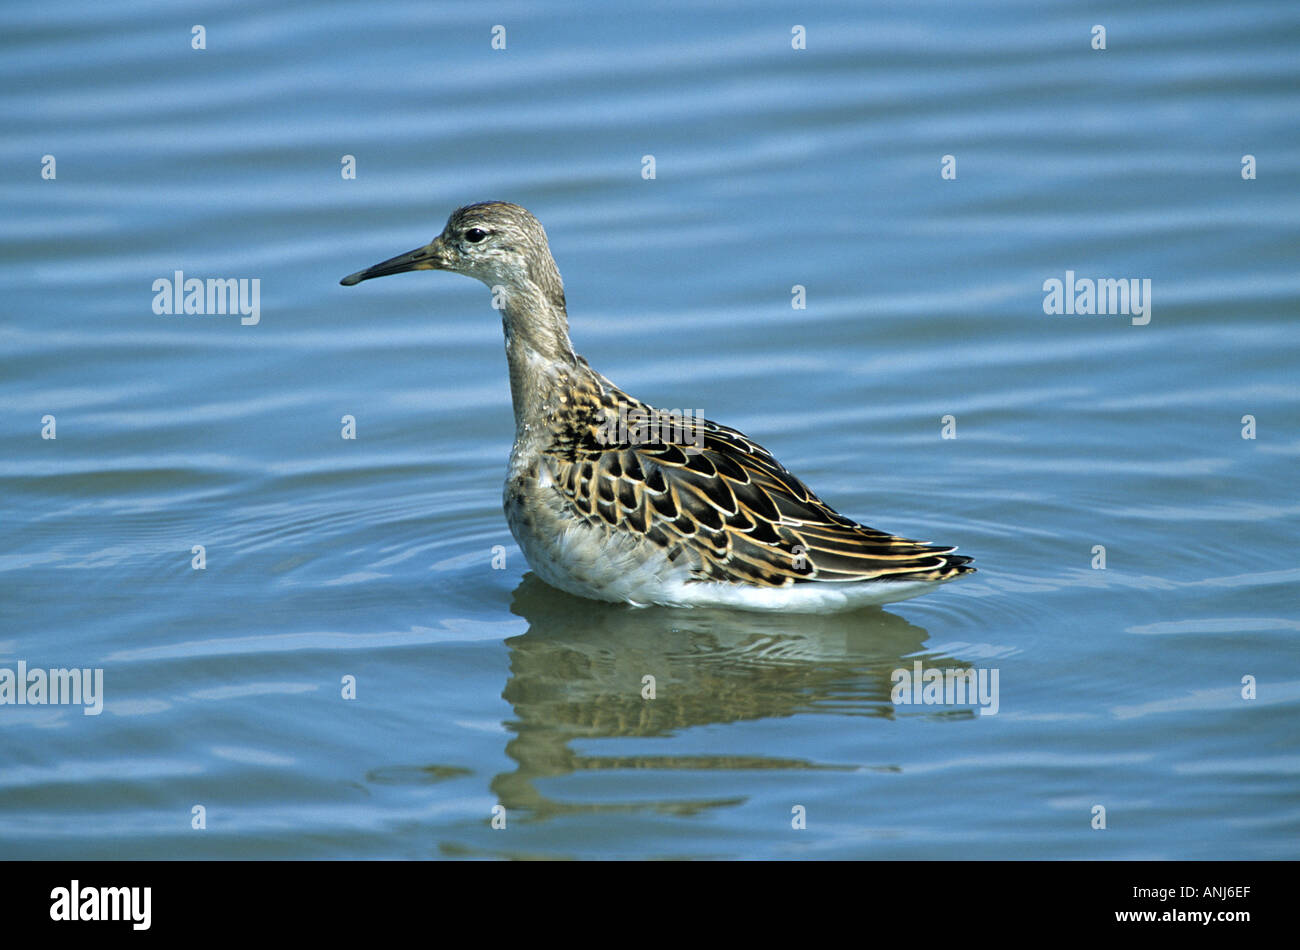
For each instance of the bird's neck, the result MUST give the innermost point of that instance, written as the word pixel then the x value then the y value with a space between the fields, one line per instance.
pixel 540 356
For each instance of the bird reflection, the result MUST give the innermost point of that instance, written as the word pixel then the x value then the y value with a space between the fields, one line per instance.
pixel 587 670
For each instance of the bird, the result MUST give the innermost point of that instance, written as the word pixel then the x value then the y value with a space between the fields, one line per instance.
pixel 614 500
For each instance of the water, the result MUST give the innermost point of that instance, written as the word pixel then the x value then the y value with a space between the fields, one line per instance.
pixel 372 558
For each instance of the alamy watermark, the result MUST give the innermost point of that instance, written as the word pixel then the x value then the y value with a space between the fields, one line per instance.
pixel 1084 296
pixel 79 902
pixel 663 426
pixel 215 296
pixel 53 687
pixel 950 687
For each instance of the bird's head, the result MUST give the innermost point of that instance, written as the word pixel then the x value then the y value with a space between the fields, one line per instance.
pixel 496 242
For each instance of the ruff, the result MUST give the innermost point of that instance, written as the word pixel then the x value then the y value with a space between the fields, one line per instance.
pixel 611 499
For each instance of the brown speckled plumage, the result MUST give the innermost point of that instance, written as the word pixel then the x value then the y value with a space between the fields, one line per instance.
pixel 687 512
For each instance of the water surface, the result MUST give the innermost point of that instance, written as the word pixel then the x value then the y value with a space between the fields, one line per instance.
pixel 372 558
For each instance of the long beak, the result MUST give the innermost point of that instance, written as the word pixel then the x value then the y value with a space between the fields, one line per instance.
pixel 428 257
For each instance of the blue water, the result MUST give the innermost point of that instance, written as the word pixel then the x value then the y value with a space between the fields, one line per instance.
pixel 372 558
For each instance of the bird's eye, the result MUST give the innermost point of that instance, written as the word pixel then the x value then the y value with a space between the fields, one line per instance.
pixel 474 235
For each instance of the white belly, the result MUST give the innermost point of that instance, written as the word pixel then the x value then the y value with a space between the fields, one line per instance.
pixel 587 561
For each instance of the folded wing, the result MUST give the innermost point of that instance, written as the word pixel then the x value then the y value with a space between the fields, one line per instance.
pixel 707 494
